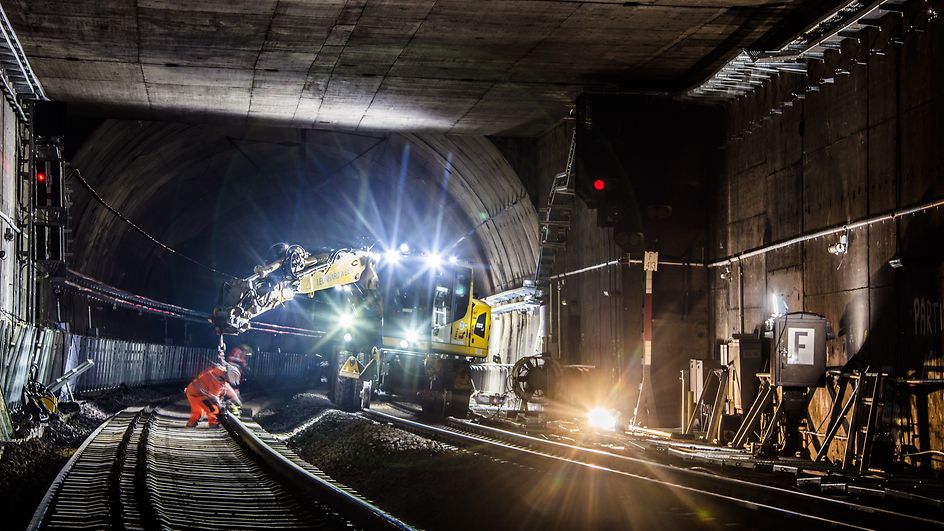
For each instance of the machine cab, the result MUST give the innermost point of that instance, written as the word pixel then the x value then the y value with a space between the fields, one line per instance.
pixel 431 309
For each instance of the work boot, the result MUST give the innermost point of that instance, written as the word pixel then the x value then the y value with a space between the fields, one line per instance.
pixel 191 424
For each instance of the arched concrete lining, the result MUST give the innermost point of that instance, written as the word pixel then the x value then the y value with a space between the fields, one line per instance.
pixel 180 181
pixel 492 197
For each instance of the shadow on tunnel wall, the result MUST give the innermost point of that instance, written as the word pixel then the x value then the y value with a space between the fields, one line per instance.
pixel 901 324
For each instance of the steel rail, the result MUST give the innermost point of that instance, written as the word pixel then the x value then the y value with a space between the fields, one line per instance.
pixel 142 469
pixel 352 506
pixel 740 492
pixel 736 484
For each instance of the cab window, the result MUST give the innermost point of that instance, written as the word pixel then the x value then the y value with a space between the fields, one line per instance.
pixel 463 281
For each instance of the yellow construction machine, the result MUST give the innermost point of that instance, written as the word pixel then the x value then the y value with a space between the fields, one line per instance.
pixel 406 326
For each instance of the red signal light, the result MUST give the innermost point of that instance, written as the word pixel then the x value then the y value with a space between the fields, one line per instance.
pixel 40 177
pixel 599 185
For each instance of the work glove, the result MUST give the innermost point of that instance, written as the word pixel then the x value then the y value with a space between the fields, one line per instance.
pixel 212 402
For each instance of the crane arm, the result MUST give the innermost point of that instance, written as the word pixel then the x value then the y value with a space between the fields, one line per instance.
pixel 295 272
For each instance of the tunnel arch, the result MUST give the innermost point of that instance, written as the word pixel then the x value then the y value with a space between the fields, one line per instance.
pixel 203 188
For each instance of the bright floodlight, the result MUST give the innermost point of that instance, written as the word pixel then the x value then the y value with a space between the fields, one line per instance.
pixel 434 261
pixel 347 337
pixel 602 418
pixel 412 336
pixel 392 256
pixel 453 260
pixel 287 293
pixel 404 248
pixel 404 343
pixel 346 320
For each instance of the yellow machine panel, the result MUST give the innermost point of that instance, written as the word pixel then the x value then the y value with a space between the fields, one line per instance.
pixel 346 269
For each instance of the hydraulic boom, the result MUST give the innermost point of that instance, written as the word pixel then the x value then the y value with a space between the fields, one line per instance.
pixel 295 272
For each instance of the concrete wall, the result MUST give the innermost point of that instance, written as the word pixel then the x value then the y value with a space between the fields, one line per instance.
pixel 590 329
pixel 8 201
pixel 866 143
pixel 601 323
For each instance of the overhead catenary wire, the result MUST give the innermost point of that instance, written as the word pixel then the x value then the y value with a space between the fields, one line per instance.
pixel 95 289
pixel 623 261
pixel 95 195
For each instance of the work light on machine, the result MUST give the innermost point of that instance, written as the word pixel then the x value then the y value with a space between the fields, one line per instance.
pixel 391 256
pixel 409 337
pixel 346 320
pixel 434 260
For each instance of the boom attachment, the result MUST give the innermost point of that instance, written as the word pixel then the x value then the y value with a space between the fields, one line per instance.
pixel 295 272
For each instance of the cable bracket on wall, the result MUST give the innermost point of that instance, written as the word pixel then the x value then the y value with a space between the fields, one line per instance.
pixel 751 69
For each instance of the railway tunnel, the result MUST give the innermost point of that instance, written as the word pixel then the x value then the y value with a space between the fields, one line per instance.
pixel 680 256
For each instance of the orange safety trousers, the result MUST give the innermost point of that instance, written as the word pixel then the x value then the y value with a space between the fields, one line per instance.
pixel 199 406
pixel 207 383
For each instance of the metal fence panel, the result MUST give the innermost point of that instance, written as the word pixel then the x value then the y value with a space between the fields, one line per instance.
pixel 21 347
pixel 121 362
pixel 134 363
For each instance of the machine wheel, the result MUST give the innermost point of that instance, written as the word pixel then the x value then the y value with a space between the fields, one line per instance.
pixel 434 406
pixel 366 394
pixel 459 405
pixel 347 396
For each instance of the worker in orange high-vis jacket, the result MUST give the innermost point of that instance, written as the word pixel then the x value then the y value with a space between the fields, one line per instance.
pixel 207 391
pixel 239 356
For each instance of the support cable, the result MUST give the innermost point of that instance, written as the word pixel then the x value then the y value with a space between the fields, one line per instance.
pixel 119 215
pixel 92 288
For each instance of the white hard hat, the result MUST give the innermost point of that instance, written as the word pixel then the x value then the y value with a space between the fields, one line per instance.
pixel 232 374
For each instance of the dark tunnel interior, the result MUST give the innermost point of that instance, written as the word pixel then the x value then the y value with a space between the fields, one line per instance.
pixel 223 196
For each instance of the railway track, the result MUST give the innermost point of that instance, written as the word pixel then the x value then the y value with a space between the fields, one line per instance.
pixel 775 502
pixel 142 469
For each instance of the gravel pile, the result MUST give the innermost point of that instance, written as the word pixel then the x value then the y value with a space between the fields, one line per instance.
pixel 279 416
pixel 114 400
pixel 424 482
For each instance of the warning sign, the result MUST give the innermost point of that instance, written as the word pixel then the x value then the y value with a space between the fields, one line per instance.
pixel 800 349
pixel 650 261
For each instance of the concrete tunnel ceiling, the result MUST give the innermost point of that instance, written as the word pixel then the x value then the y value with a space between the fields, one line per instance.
pixel 223 195
pixel 483 67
